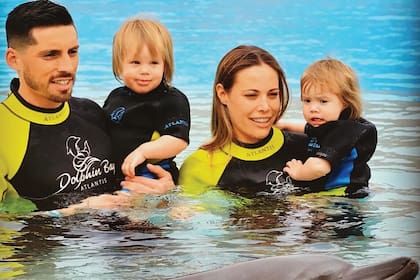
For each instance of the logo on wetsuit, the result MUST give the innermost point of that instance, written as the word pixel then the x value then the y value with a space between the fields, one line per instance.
pixel 117 114
pixel 279 182
pixel 313 144
pixel 90 171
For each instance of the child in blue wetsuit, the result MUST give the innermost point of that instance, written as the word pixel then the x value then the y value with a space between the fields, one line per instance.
pixel 340 141
pixel 149 119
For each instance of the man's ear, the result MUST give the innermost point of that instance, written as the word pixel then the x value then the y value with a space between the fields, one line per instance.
pixel 221 93
pixel 11 58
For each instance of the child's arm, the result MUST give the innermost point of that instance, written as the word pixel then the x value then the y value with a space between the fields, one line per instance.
pixel 312 169
pixel 165 146
pixel 291 126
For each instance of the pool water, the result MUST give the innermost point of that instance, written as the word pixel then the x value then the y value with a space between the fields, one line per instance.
pixel 379 39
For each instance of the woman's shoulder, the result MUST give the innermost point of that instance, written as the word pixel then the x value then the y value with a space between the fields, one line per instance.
pixel 206 157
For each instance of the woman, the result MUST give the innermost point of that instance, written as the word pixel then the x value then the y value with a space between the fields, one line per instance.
pixel 246 154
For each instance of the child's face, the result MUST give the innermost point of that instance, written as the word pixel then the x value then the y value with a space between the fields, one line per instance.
pixel 320 105
pixel 141 71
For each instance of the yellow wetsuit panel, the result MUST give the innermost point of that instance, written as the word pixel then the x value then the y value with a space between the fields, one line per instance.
pixel 202 170
pixel 12 147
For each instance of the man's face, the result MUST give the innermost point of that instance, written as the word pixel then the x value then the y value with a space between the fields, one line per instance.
pixel 47 69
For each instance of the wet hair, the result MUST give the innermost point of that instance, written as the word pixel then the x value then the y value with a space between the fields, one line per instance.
pixel 137 33
pixel 333 75
pixel 27 16
pixel 237 59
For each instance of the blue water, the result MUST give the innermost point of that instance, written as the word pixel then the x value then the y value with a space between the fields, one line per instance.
pixel 379 39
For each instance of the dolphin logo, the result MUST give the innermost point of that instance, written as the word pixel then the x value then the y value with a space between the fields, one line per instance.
pixel 81 154
pixel 279 183
pixel 117 114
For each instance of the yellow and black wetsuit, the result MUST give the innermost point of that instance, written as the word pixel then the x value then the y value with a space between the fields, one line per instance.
pixel 138 118
pixel 248 170
pixel 53 157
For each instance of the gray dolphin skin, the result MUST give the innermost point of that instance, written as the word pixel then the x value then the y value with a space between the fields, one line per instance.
pixel 305 267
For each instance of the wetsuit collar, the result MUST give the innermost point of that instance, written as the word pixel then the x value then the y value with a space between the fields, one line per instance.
pixel 261 150
pixel 345 114
pixel 162 87
pixel 16 104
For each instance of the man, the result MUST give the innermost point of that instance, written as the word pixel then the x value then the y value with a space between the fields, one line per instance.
pixel 54 148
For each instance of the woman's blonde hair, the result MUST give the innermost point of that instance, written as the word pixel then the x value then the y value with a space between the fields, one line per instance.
pixel 235 60
pixel 334 75
pixel 137 33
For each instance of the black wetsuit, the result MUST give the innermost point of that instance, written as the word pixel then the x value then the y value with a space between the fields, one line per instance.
pixel 54 157
pixel 138 118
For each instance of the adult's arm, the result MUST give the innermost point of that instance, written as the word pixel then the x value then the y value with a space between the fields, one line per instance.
pixel 134 185
pixel 291 126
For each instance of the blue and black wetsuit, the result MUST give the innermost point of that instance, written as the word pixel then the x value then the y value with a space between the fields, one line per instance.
pixel 347 145
pixel 138 118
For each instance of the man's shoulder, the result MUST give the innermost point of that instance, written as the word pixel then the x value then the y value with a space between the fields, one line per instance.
pixel 6 114
pixel 80 101
pixel 86 109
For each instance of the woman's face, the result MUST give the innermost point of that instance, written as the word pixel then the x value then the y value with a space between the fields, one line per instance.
pixel 253 102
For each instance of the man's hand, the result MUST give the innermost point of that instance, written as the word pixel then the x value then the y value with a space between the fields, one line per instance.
pixel 139 184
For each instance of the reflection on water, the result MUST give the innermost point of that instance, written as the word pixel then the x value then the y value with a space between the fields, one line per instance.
pixel 106 245
pixel 145 242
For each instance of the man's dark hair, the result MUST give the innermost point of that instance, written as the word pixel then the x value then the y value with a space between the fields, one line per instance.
pixel 23 18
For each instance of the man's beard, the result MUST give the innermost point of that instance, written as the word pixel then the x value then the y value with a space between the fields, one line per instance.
pixel 58 96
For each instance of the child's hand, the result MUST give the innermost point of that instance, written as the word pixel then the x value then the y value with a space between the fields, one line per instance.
pixel 312 169
pixel 293 168
pixel 135 158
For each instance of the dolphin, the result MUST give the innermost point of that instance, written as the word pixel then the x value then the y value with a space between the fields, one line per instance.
pixel 310 266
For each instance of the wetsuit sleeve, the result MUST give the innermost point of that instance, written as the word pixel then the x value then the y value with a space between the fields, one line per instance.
pixel 297 144
pixel 339 140
pixel 14 133
pixel 199 175
pixel 368 141
pixel 201 171
pixel 175 115
pixel 13 142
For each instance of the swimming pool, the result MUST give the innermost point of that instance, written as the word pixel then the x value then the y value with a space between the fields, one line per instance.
pixel 379 39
